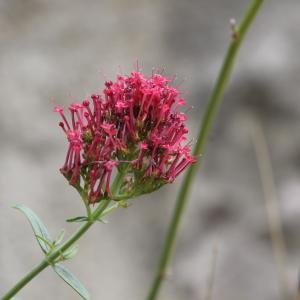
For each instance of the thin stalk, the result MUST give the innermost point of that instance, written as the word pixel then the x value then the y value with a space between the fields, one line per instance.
pixel 271 205
pixel 83 195
pixel 49 260
pixel 238 34
pixel 298 287
pixel 211 276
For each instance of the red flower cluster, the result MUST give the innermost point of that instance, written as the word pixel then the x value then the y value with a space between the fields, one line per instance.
pixel 135 128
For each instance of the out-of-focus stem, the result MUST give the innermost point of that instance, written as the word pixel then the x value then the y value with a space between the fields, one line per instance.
pixel 271 204
pixel 211 277
pixel 238 35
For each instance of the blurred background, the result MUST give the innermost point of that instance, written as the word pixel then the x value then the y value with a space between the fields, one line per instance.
pixel 59 51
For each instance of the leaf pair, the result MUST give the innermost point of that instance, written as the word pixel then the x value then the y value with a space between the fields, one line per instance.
pixel 47 245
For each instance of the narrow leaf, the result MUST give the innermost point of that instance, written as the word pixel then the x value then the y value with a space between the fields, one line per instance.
pixel 70 253
pixel 38 227
pixel 50 245
pixel 102 221
pixel 72 281
pixel 78 219
pixel 60 237
pixel 110 209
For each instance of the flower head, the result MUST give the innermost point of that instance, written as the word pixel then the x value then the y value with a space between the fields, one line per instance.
pixel 134 128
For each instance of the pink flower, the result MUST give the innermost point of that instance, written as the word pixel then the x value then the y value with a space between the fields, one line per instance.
pixel 135 127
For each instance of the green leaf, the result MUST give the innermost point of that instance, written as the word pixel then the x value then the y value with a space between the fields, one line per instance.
pixel 109 209
pixel 70 253
pixel 38 227
pixel 78 219
pixel 72 281
pixel 102 221
pixel 50 245
pixel 60 237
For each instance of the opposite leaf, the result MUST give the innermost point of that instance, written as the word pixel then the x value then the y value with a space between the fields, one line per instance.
pixel 72 281
pixel 38 227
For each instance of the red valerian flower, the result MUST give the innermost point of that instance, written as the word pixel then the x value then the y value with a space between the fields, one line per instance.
pixel 134 128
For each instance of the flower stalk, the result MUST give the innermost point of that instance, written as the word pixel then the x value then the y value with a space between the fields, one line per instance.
pixel 238 34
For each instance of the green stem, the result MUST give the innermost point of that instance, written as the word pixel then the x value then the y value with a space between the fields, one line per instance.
pixel 66 245
pixel 118 183
pixel 205 128
pixel 83 195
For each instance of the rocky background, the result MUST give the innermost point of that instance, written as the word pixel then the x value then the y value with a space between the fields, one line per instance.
pixel 55 52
